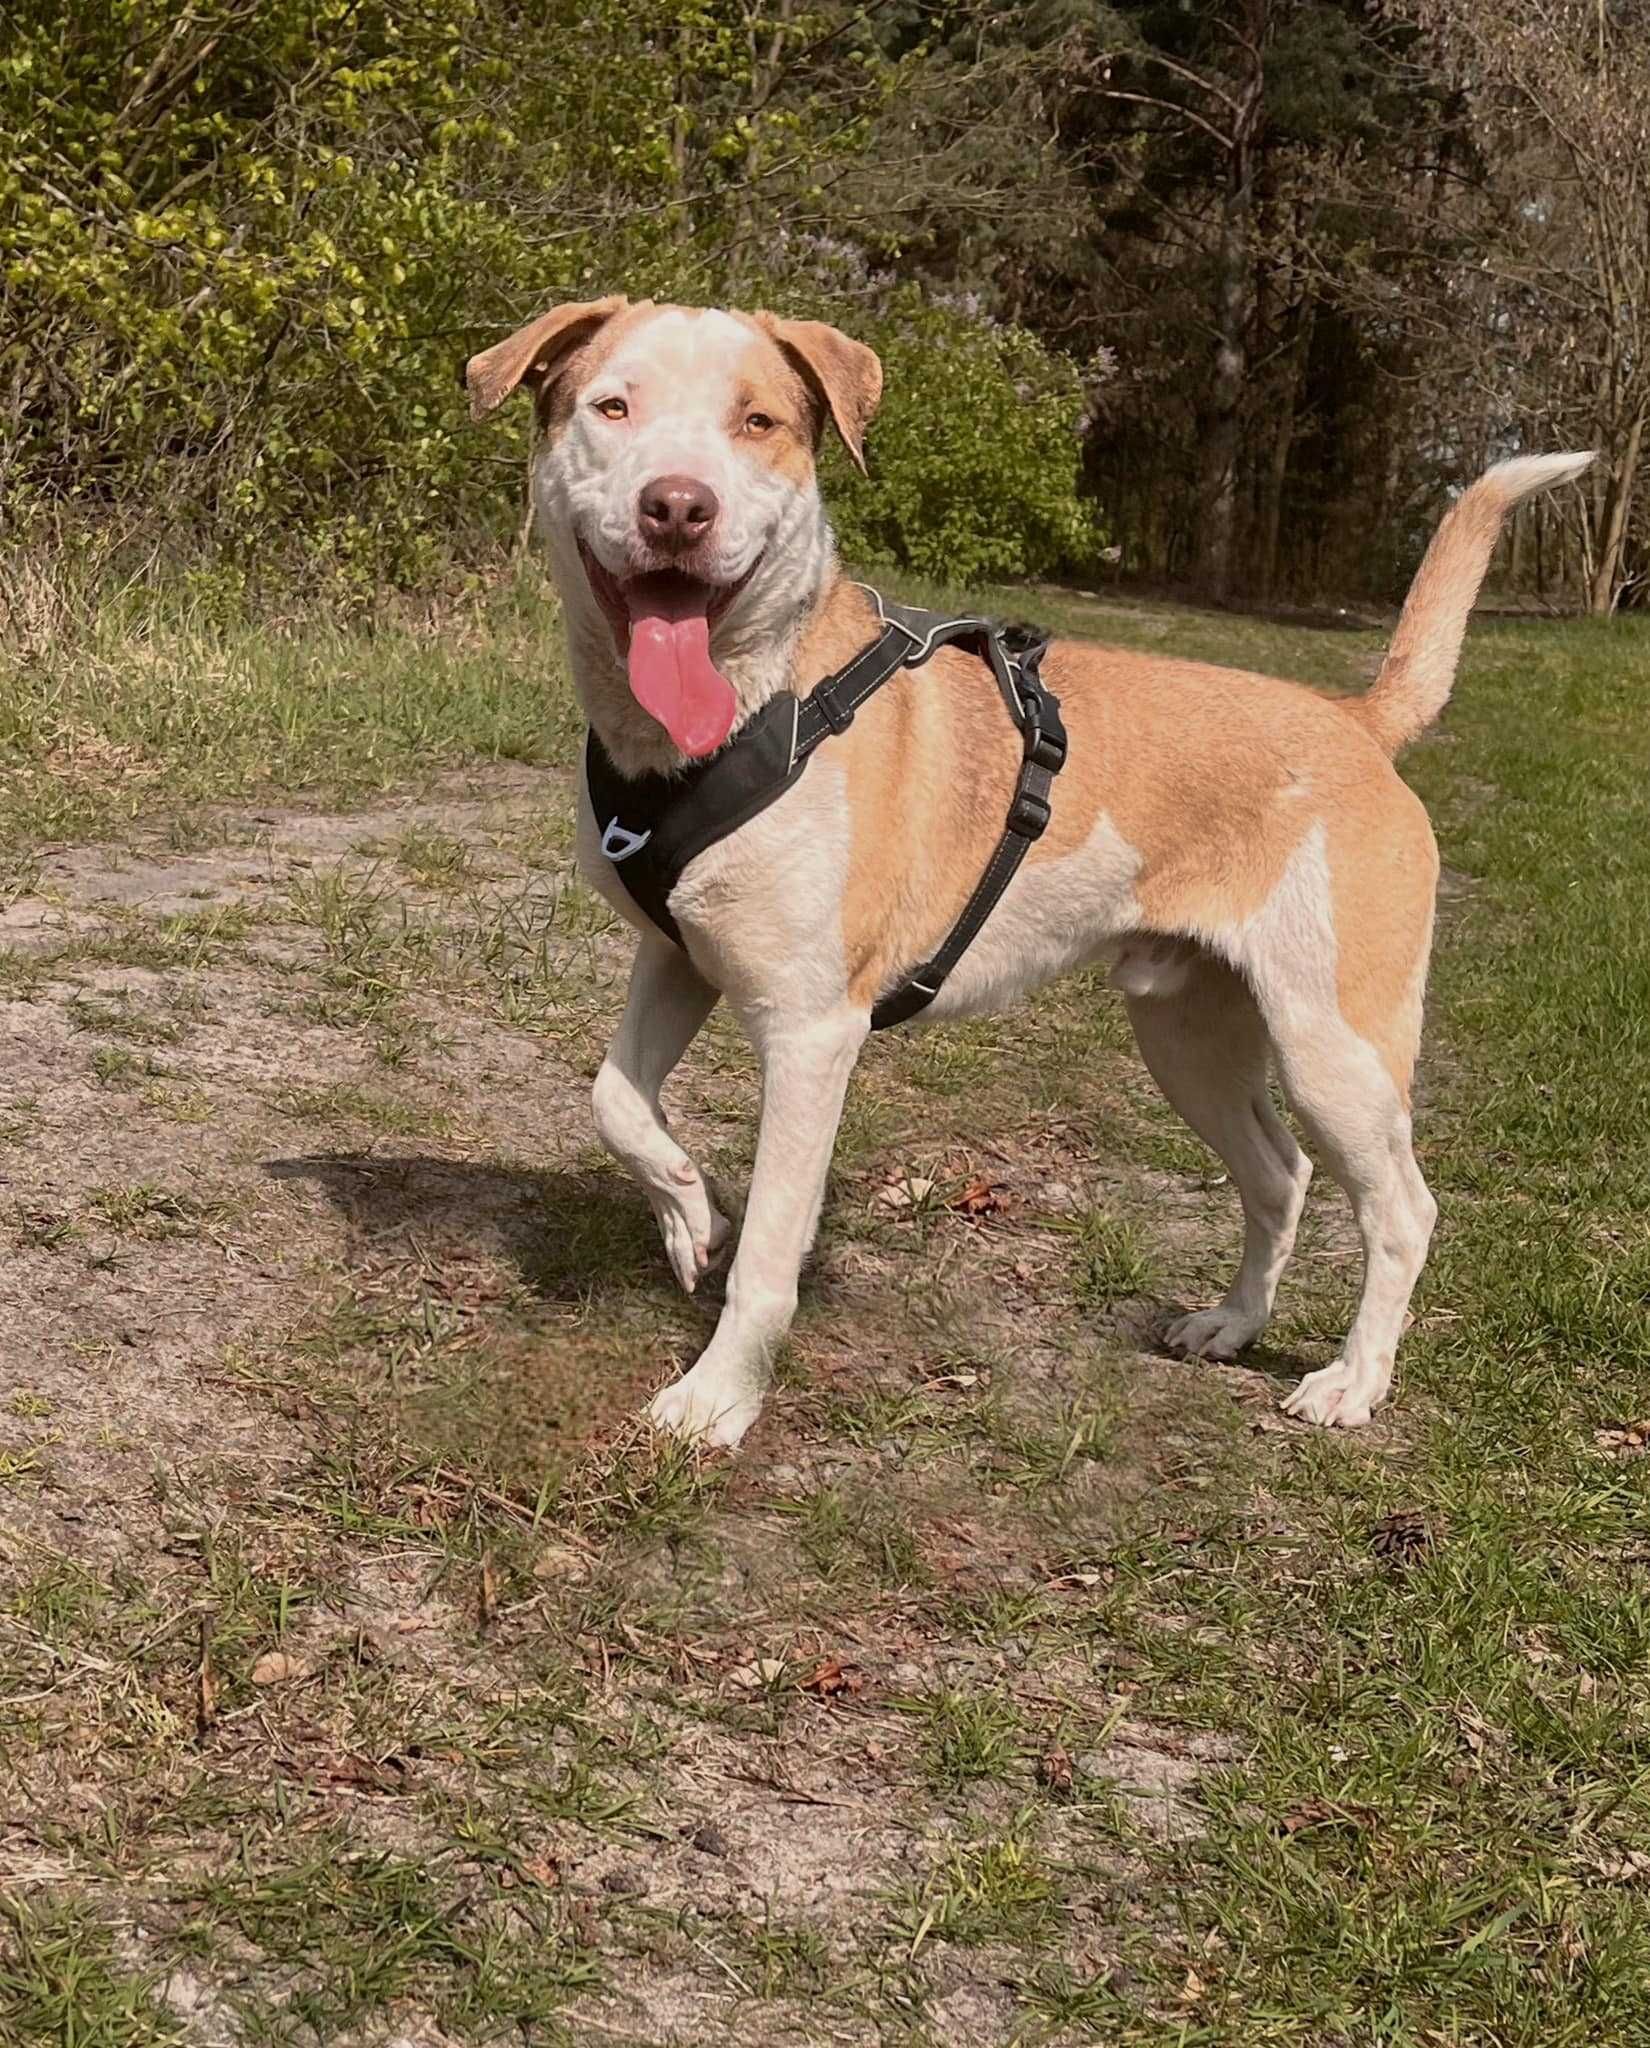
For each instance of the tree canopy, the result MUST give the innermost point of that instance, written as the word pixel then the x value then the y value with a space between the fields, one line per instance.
pixel 1231 291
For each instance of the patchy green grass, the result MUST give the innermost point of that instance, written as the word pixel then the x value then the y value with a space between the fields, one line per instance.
pixel 999 1890
pixel 178 942
pixel 1113 1259
pixel 18 1117
pixel 356 1935
pixel 117 1066
pixel 120 703
pixel 967 1736
pixel 61 1982
pixel 141 1209
pixel 433 858
pixel 121 1018
pixel 344 1106
pixel 365 1671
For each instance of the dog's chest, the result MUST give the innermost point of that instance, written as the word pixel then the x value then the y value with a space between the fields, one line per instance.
pixel 760 912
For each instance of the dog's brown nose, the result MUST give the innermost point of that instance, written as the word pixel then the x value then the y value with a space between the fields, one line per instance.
pixel 676 512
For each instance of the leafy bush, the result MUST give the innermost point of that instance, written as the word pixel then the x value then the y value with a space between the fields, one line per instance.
pixel 244 246
pixel 241 246
pixel 974 457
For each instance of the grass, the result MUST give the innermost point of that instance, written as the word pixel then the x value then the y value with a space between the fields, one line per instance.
pixel 433 858
pixel 967 1738
pixel 117 1066
pixel 524 945
pixel 1013 1683
pixel 146 1210
pixel 118 703
pixel 17 1118
pixel 847 1535
pixel 346 1106
pixel 1112 1258
pixel 359 1934
pixel 998 1890
pixel 60 1982
pixel 123 1019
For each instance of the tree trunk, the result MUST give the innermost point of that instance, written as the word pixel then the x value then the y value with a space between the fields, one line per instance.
pixel 1217 462
pixel 1612 536
pixel 1270 523
pixel 1223 417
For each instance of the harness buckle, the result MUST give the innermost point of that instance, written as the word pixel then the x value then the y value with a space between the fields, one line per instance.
pixel 1029 814
pixel 837 716
pixel 1044 731
pixel 1026 645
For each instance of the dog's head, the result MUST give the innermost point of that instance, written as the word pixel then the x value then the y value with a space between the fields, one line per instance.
pixel 675 481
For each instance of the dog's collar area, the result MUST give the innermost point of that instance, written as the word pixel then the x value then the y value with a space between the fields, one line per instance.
pixel 653 825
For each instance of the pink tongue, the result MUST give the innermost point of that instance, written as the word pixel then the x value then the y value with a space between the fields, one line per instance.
pixel 671 675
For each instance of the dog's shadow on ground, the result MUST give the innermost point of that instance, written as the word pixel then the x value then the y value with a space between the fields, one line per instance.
pixel 586 1236
pixel 572 1236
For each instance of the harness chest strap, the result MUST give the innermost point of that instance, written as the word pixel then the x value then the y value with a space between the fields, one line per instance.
pixel 654 825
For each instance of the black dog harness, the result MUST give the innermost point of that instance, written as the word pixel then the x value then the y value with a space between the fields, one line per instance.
pixel 653 825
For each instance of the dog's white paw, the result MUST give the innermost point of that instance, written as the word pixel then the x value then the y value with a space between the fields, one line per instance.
pixel 1213 1332
pixel 693 1228
pixel 1335 1397
pixel 711 1408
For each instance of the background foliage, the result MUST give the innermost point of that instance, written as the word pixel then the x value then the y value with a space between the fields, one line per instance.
pixel 245 247
pixel 1237 287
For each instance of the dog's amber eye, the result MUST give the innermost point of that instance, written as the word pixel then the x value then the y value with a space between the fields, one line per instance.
pixel 612 408
pixel 759 423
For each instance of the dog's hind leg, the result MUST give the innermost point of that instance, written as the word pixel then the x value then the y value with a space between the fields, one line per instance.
pixel 1360 1122
pixel 805 1070
pixel 667 1004
pixel 1206 1047
pixel 1340 989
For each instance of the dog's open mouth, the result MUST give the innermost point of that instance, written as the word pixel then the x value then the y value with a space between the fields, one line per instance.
pixel 661 620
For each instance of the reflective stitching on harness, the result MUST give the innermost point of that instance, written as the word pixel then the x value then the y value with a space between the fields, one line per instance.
pixel 921 648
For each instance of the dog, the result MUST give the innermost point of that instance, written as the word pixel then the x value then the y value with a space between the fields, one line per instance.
pixel 1239 849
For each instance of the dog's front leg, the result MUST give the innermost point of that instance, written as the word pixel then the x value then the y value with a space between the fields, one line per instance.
pixel 805 1070
pixel 667 1003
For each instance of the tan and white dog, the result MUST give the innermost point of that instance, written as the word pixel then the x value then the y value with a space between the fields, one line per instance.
pixel 1239 849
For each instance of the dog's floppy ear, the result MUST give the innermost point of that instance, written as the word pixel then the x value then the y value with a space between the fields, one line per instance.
pixel 534 353
pixel 845 373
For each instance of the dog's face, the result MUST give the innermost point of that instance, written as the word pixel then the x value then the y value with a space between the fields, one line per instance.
pixel 676 481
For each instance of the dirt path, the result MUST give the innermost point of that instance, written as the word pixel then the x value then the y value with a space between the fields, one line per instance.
pixel 368 1677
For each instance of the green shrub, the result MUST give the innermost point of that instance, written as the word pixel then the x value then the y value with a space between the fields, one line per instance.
pixel 974 457
pixel 245 245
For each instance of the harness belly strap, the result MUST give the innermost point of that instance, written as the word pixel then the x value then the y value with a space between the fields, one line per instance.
pixel 653 825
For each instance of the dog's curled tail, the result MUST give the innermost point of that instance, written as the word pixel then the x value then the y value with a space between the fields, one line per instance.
pixel 1416 676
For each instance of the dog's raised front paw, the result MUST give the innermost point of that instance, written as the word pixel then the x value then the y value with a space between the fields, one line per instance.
pixel 1335 1397
pixel 708 1408
pixel 694 1231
